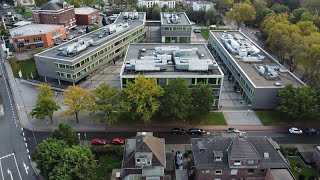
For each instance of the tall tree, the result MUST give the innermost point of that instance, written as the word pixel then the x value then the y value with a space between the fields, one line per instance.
pixel 307 27
pixel 165 8
pixel 44 107
pixel 76 162
pixel 104 22
pixel 240 13
pixel 156 12
pixel 280 8
pixel 212 16
pixel 298 103
pixel 313 5
pixel 65 133
pixel 39 3
pixel 202 98
pixel 104 103
pixel 141 98
pixel 75 3
pixel 224 5
pixel 45 90
pixel 48 155
pixel 77 99
pixel 176 102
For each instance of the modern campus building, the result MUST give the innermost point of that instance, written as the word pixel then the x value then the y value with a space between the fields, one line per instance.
pixel 202 5
pixel 150 3
pixel 257 76
pixel 175 28
pixel 55 13
pixel 34 36
pixel 76 59
pixel 164 62
pixel 86 15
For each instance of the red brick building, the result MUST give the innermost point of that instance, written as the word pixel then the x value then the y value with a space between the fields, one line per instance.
pixel 55 13
pixel 86 15
pixel 34 36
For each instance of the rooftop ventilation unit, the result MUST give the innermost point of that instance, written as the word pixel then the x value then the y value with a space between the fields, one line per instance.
pixel 268 72
pixel 77 47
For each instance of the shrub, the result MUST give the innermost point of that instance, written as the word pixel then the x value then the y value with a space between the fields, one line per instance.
pixel 287 151
pixel 301 177
pixel 107 150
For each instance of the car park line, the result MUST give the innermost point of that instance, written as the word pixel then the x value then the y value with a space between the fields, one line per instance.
pixel 15 161
pixel 1 170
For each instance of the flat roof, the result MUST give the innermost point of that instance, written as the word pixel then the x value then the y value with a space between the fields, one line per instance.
pixel 166 18
pixel 84 10
pixel 194 59
pixel 55 52
pixel 22 23
pixel 284 77
pixel 33 29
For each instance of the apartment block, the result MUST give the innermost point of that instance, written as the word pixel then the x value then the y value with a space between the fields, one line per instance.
pixel 59 13
pixel 257 76
pixel 32 36
pixel 175 28
pixel 76 59
pixel 150 3
pixel 164 62
pixel 202 5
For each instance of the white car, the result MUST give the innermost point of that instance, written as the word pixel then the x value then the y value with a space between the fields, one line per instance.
pixel 295 130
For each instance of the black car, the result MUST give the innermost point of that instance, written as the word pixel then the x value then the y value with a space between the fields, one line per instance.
pixel 196 131
pixel 178 131
pixel 311 131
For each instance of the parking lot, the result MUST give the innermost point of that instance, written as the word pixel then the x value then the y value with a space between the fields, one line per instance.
pixel 9 168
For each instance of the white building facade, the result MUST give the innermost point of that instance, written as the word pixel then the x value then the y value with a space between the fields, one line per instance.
pixel 150 3
pixel 202 6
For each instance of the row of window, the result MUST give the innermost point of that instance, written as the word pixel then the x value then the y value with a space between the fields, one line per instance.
pixel 101 52
pixel 190 81
pixel 177 39
pixel 235 171
pixel 179 28
pixel 28 46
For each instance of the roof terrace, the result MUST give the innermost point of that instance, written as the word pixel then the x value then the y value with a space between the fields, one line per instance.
pixel 89 42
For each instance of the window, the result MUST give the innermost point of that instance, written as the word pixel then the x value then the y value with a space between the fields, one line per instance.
pixel 237 163
pixel 37 39
pixel 28 46
pixel 138 160
pixel 39 45
pixel 250 162
pixel 218 172
pixel 27 41
pixel 250 171
pixel 234 171
pixel 217 159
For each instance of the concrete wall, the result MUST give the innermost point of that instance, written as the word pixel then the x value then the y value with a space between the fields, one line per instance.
pixel 265 98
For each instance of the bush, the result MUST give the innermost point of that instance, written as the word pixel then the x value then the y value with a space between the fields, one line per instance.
pixel 288 151
pixel 107 150
pixel 298 166
pixel 301 177
pixel 311 178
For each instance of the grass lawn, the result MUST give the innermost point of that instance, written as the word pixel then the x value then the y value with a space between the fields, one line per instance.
pixel 306 171
pixel 27 15
pixel 105 166
pixel 27 67
pixel 211 119
pixel 205 33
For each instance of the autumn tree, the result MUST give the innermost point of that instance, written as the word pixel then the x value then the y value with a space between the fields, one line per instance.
pixel 140 99
pixel 45 90
pixel 202 98
pixel 75 3
pixel 298 102
pixel 156 12
pixel 77 100
pixel 240 13
pixel 44 107
pixel 224 5
pixel 39 3
pixel 177 102
pixel 104 103
pixel 280 8
pixel 307 27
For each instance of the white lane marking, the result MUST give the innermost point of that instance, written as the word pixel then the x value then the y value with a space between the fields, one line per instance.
pixel 1 171
pixel 26 167
pixel 9 172
pixel 1 110
pixel 6 156
pixel 15 160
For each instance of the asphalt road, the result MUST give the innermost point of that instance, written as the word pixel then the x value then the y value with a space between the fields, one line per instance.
pixel 34 138
pixel 14 159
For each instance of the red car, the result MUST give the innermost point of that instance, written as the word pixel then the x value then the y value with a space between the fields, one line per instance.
pixel 98 141
pixel 117 141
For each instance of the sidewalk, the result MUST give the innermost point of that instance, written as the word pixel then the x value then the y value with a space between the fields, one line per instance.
pixel 25 96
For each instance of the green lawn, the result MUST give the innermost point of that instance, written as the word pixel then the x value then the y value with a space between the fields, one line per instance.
pixel 105 166
pixel 205 33
pixel 306 171
pixel 211 119
pixel 27 15
pixel 27 67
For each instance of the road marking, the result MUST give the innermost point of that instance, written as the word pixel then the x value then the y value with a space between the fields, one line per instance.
pixel 15 160
pixel 9 172
pixel 1 110
pixel 26 167
pixel 6 156
pixel 1 171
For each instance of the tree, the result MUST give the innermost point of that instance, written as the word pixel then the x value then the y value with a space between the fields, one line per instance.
pixel 77 99
pixel 176 102
pixel 240 13
pixel 141 98
pixel 307 27
pixel 296 15
pixel 224 5
pixel 280 8
pixel 65 133
pixel 104 22
pixel 202 98
pixel 298 103
pixel 89 2
pixel 104 102
pixel 45 106
pixel 45 90
pixel 95 26
pixel 76 162
pixel 48 155
pixel 75 3
pixel 312 5
pixel 212 16
pixel 39 3
pixel 165 8
pixel 156 12
pixel 119 2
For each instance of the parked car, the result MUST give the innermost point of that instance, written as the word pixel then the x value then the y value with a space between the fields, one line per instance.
pixel 178 131
pixel 197 30
pixel 179 160
pixel 56 43
pixel 64 40
pixel 294 130
pixel 233 130
pixel 117 141
pixel 98 141
pixel 70 37
pixel 311 131
pixel 196 131
pixel 81 31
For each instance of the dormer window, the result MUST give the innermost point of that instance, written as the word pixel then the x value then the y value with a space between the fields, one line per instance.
pixel 237 163
pixel 138 160
pixel 217 159
pixel 250 162
pixel 217 155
